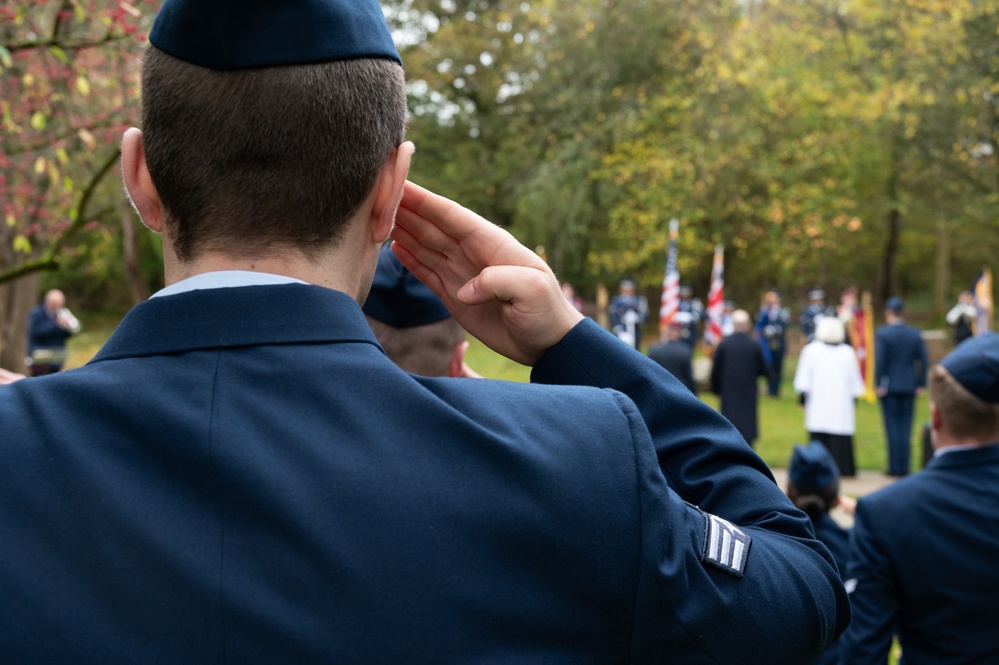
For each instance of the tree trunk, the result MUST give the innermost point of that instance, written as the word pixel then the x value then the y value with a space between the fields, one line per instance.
pixel 17 298
pixel 890 262
pixel 130 255
pixel 941 295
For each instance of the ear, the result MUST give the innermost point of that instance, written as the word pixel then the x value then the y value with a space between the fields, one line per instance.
pixel 138 183
pixel 456 368
pixel 936 424
pixel 388 191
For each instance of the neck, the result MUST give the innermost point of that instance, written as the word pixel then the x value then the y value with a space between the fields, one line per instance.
pixel 347 266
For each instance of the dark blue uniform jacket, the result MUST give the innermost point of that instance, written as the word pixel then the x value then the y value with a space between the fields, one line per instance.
pixel 241 475
pixel 900 359
pixel 923 554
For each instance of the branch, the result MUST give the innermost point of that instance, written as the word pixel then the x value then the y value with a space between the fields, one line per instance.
pixel 49 260
pixel 67 45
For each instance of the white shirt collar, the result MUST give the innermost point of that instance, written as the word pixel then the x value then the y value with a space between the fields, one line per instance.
pixel 954 449
pixel 222 279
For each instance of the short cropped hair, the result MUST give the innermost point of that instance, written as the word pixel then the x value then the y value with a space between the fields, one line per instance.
pixel 424 350
pixel 964 415
pixel 279 156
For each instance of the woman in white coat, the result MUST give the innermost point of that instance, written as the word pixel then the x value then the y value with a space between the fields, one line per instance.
pixel 828 379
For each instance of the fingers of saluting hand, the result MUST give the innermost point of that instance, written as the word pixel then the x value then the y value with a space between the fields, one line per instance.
pixel 469 242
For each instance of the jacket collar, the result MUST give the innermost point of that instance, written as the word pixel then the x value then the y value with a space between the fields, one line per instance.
pixel 971 457
pixel 239 316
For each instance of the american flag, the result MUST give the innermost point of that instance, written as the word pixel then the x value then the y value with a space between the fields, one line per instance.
pixel 670 302
pixel 716 298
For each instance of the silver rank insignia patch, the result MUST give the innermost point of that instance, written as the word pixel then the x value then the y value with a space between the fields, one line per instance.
pixel 726 546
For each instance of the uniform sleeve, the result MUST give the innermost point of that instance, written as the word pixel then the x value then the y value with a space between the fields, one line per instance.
pixel 880 359
pixel 873 596
pixel 924 364
pixel 803 375
pixel 785 602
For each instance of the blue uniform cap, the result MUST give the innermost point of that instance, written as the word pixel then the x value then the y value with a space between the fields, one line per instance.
pixel 813 468
pixel 895 304
pixel 975 365
pixel 397 298
pixel 244 34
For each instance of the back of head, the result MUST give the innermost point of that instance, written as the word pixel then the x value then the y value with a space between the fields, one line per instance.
pixel 895 306
pixel 830 330
pixel 964 386
pixel 259 135
pixel 813 479
pixel 410 321
pixel 741 321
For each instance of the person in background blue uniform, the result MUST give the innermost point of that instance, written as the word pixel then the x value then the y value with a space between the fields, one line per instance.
pixel 771 327
pixel 242 475
pixel 924 549
pixel 689 314
pixel 412 324
pixel 813 486
pixel 815 310
pixel 628 312
pixel 900 365
pixel 50 324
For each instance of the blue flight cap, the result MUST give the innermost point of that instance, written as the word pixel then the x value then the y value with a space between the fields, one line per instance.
pixel 895 304
pixel 813 468
pixel 975 365
pixel 243 34
pixel 397 298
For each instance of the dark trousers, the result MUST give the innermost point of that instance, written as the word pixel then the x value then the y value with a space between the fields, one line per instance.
pixel 773 379
pixel 897 411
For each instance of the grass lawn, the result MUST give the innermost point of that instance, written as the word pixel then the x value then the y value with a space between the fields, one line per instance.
pixel 781 420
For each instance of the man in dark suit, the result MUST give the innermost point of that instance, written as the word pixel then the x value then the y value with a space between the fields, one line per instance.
pixel 50 324
pixel 673 354
pixel 736 367
pixel 900 365
pixel 924 549
pixel 242 475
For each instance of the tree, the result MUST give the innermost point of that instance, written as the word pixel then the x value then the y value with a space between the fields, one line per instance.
pixel 68 87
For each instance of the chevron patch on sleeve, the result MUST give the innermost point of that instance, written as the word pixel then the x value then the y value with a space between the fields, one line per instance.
pixel 726 546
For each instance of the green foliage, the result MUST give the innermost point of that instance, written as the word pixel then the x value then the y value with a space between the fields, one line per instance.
pixel 821 142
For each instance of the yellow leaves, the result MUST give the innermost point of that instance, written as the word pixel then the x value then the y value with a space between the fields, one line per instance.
pixel 5 59
pixel 131 9
pixel 38 121
pixel 22 244
pixel 40 165
pixel 83 86
pixel 28 80
pixel 87 138
pixel 854 225
pixel 11 221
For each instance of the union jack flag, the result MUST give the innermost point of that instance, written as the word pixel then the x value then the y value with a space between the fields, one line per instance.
pixel 670 303
pixel 716 298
